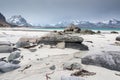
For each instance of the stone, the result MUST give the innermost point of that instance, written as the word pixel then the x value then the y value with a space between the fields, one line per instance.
pixel 118 38
pixel 6 67
pixel 14 55
pixel 72 28
pixel 114 32
pixel 53 67
pixel 26 42
pixel 109 60
pixel 6 49
pixel 87 32
pixel 72 66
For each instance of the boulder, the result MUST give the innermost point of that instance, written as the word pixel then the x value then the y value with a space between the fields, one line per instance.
pixel 110 60
pixel 87 32
pixel 6 49
pixel 114 32
pixel 53 37
pixel 71 78
pixel 5 43
pixel 6 67
pixel 72 66
pixel 26 42
pixel 63 41
pixel 118 38
pixel 72 28
pixel 78 46
pixel 14 55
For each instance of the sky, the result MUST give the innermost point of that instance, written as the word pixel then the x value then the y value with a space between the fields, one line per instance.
pixel 54 11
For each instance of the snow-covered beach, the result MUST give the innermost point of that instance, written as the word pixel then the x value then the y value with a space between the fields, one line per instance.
pixel 43 58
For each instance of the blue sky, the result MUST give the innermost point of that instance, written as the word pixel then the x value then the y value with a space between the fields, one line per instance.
pixel 53 11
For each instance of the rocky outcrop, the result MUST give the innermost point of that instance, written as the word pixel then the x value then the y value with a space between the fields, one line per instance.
pixel 63 41
pixel 118 38
pixel 3 22
pixel 110 60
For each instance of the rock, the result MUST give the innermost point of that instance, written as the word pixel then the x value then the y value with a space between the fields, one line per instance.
pixel 5 43
pixel 6 49
pixel 83 73
pixel 26 42
pixel 72 28
pixel 71 78
pixel 61 45
pixel 98 32
pixel 118 38
pixel 53 67
pixel 72 66
pixel 63 41
pixel 87 32
pixel 15 62
pixel 32 50
pixel 6 67
pixel 14 55
pixel 110 60
pixel 114 32
pixel 55 38
pixel 78 46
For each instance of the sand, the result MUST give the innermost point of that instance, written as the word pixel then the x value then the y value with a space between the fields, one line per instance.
pixel 45 57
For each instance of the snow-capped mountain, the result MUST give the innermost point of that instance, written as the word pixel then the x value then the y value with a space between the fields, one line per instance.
pixel 111 23
pixel 18 20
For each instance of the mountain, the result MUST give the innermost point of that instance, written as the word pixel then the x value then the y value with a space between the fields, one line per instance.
pixel 113 23
pixel 18 20
pixel 3 22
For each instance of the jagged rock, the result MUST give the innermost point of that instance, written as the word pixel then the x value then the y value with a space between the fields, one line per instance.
pixel 72 28
pixel 71 78
pixel 6 49
pixel 14 55
pixel 110 60
pixel 72 66
pixel 118 38
pixel 6 67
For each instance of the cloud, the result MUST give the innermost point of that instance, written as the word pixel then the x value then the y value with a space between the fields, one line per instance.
pixel 50 11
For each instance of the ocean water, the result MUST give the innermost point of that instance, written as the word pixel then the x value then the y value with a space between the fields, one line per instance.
pixel 61 29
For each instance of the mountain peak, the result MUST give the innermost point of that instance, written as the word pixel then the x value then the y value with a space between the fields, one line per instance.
pixel 18 20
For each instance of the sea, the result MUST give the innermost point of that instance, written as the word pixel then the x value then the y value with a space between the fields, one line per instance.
pixel 61 29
